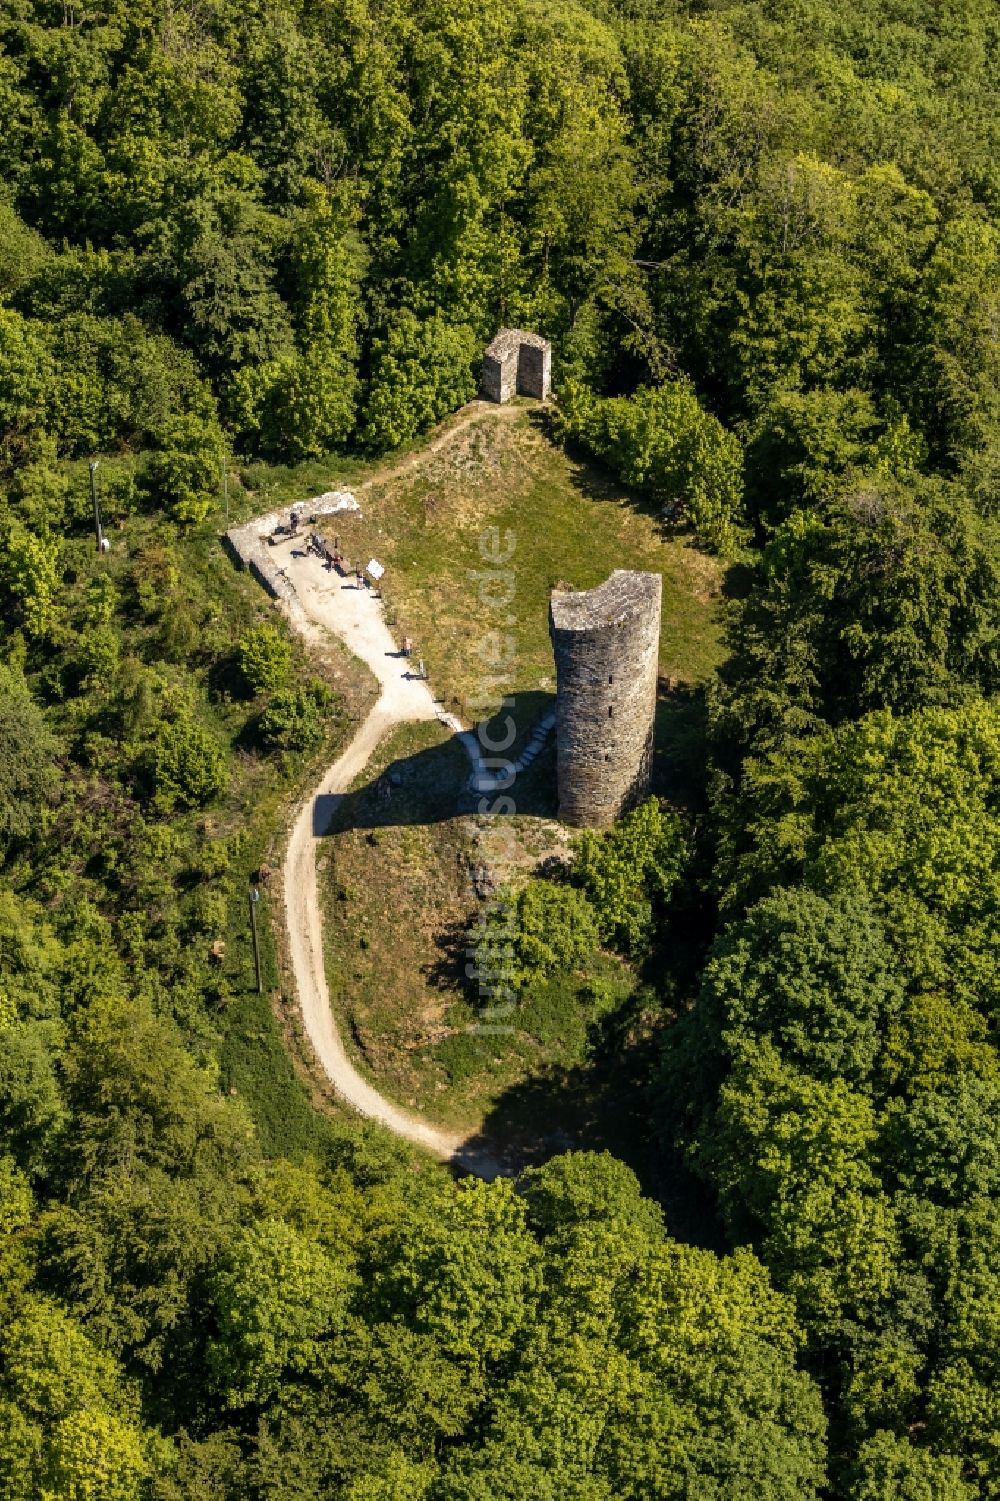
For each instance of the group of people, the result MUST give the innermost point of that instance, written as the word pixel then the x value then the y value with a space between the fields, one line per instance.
pixel 317 542
pixel 331 556
pixel 334 559
pixel 291 529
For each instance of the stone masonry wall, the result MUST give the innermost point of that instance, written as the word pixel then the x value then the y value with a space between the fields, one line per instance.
pixel 500 375
pixel 534 370
pixel 517 363
pixel 606 643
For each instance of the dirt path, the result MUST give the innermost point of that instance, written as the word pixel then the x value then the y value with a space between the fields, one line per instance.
pixel 355 615
pixel 317 601
pixel 473 411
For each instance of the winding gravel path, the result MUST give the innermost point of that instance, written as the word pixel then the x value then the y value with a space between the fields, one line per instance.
pixel 355 615
pixel 317 601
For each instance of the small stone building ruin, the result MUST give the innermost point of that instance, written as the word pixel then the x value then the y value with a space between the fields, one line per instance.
pixel 606 643
pixel 517 363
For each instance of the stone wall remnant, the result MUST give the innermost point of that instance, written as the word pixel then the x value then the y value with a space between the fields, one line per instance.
pixel 606 643
pixel 517 363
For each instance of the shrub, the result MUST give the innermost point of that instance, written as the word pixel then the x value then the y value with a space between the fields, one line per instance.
pixel 181 632
pixel 29 567
pixel 265 658
pixel 155 576
pixel 293 720
pixel 25 380
pixel 422 371
pixel 556 927
pixel 184 474
pixel 662 441
pixel 545 927
pixel 627 870
pixel 187 767
pixel 41 494
pixel 462 1056
pixel 98 655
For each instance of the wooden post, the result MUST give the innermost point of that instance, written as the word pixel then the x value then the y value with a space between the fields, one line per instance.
pixel 98 527
pixel 254 899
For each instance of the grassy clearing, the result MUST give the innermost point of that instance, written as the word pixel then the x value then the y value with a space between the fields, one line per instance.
pixel 570 524
pixel 397 881
pixel 395 874
pixel 425 510
pixel 396 867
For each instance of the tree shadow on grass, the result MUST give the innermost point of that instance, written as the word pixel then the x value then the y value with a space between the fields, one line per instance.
pixel 434 784
pixel 597 483
pixel 738 580
pixel 680 743
pixel 421 788
pixel 598 1106
pixel 592 478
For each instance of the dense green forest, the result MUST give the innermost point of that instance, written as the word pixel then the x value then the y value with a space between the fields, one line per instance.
pixel 764 239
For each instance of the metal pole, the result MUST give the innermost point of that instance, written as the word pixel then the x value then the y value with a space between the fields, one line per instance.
pixel 225 487
pixel 254 899
pixel 98 533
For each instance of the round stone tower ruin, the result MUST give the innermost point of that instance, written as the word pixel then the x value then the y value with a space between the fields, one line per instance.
pixel 517 363
pixel 606 643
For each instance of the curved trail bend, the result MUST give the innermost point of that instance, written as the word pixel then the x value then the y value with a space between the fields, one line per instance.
pixel 315 601
pixel 356 616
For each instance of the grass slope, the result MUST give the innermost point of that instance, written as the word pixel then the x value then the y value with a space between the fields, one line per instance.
pixel 395 874
pixel 568 523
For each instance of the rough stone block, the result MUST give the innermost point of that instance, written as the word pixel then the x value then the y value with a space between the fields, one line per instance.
pixel 517 363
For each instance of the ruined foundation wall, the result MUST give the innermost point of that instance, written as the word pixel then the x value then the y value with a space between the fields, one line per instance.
pixel 500 375
pixel 606 644
pixel 534 370
pixel 517 363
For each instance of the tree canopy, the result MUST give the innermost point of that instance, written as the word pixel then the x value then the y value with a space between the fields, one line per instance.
pixel 764 242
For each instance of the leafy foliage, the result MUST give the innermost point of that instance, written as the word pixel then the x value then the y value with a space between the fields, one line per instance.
pixel 629 871
pixel 187 766
pixel 663 442
pixel 184 474
pixel 293 719
pixel 27 757
pixel 421 372
pixel 764 243
pixel 556 927
pixel 274 1298
pixel 265 658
